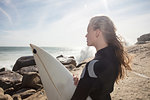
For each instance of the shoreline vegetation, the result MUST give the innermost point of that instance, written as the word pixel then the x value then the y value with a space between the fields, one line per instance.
pixel 24 81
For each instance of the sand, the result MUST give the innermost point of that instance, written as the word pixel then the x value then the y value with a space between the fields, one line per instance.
pixel 136 86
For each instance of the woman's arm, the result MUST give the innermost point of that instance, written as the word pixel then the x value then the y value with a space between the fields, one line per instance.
pixel 83 89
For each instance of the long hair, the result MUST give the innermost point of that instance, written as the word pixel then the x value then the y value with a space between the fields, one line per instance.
pixel 108 30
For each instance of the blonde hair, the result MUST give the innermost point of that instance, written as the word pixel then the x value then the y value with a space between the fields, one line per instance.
pixel 108 30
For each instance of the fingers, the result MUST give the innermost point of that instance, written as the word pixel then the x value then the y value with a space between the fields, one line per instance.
pixel 74 76
pixel 75 79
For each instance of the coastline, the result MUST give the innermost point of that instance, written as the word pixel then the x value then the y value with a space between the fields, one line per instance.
pixel 136 86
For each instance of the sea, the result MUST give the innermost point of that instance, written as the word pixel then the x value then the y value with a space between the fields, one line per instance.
pixel 9 55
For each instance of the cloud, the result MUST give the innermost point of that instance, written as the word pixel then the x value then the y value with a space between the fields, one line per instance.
pixel 64 23
pixel 127 9
pixel 71 28
pixel 7 15
pixel 132 28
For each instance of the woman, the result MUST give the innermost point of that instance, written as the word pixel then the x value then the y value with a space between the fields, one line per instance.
pixel 109 65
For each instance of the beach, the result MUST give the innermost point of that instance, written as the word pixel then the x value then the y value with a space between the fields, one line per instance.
pixel 135 86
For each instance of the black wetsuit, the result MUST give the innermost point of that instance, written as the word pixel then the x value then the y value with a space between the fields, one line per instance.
pixel 98 77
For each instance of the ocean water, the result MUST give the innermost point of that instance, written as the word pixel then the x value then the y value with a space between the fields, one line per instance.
pixel 9 55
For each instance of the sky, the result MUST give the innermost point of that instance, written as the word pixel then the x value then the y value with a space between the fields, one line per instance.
pixel 64 22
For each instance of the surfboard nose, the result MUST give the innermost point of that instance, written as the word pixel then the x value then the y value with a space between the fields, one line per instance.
pixel 33 48
pixel 31 45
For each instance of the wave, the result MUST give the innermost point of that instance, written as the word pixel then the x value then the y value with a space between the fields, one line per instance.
pixel 9 55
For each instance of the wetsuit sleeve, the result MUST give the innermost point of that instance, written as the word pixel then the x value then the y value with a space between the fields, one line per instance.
pixel 82 90
pixel 84 87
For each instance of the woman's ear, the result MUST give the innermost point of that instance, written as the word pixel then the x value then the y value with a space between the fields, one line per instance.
pixel 98 32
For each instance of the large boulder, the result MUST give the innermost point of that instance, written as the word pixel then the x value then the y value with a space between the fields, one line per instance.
pixel 143 38
pixel 66 60
pixel 24 62
pixel 31 80
pixel 9 79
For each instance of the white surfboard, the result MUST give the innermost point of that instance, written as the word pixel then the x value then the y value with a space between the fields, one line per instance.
pixel 57 80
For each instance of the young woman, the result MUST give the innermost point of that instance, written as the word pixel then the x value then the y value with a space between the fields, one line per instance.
pixel 109 65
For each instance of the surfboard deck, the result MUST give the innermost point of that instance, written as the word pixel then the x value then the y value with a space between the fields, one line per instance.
pixel 56 78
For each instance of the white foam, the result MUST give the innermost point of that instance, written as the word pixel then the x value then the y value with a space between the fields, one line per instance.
pixel 85 53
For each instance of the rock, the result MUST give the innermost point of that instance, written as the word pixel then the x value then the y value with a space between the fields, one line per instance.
pixel 80 64
pixel 5 97
pixel 10 91
pixel 17 86
pixel 24 93
pixel 147 54
pixel 24 62
pixel 9 79
pixel 70 67
pixel 27 69
pixel 84 62
pixel 8 97
pixel 142 39
pixel 31 80
pixel 71 57
pixel 59 56
pixel 17 97
pixel 140 42
pixel 40 95
pixel 66 60
pixel 1 91
pixel 3 69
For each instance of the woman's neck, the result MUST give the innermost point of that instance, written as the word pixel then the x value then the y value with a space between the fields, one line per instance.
pixel 99 47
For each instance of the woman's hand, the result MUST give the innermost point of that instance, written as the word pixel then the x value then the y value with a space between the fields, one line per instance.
pixel 76 80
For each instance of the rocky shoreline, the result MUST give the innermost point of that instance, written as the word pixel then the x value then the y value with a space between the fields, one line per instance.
pixel 24 82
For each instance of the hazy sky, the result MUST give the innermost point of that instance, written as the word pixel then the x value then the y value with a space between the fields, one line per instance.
pixel 64 22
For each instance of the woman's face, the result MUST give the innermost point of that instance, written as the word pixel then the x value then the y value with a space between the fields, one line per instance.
pixel 91 36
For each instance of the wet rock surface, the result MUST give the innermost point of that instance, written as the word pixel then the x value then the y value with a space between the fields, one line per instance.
pixel 9 79
pixel 23 62
pixel 24 81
